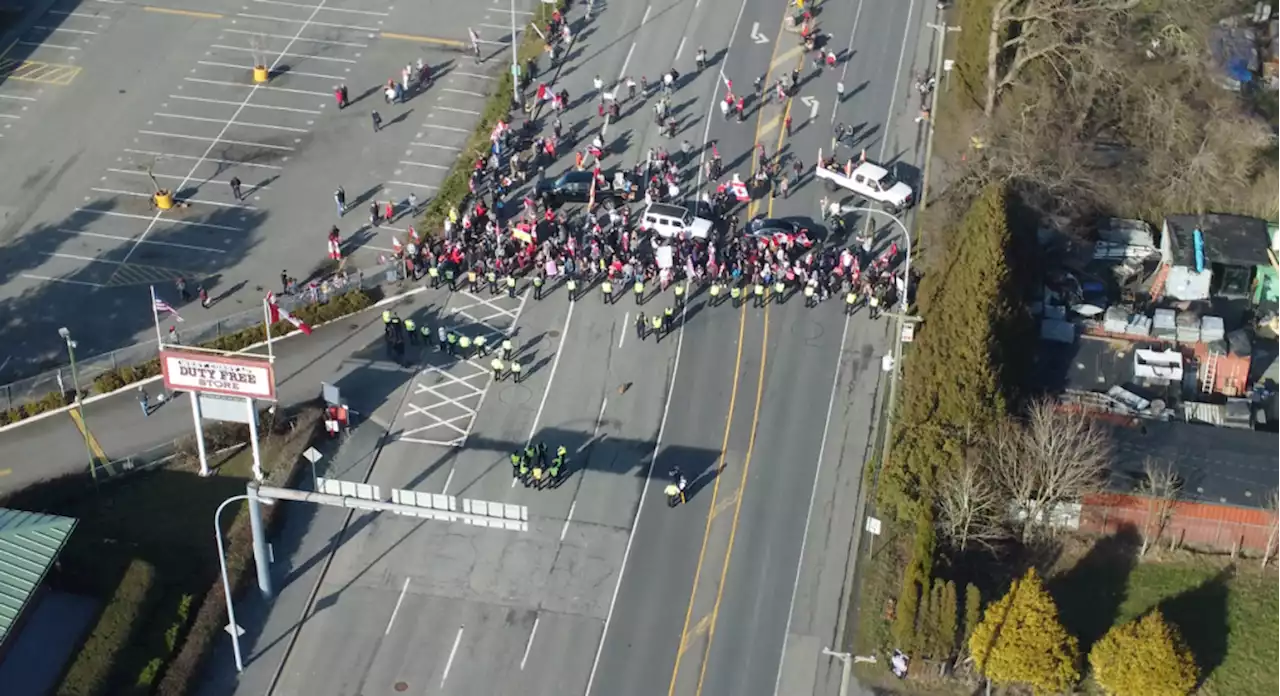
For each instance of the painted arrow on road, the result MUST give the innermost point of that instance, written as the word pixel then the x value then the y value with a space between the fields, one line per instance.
pixel 813 105
pixel 756 35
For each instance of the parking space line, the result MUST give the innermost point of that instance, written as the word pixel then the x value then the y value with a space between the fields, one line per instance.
pixel 438 147
pixel 468 112
pixel 193 201
pixel 65 30
pixel 413 185
pixel 12 116
pixel 423 164
pixel 225 83
pixel 463 91
pixel 174 221
pixel 17 98
pixel 477 76
pixel 172 177
pixel 243 49
pixel 68 281
pixel 192 247
pixel 454 43
pixel 86 15
pixel 312 112
pixel 284 148
pixel 350 44
pixel 331 25
pixel 153 153
pixel 299 5
pixel 45 44
pixel 291 72
pixel 184 13
pixel 238 123
pixel 455 129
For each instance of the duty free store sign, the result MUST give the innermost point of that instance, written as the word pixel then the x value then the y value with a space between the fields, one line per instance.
pixel 218 374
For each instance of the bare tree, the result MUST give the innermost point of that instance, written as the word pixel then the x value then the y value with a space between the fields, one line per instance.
pixel 1161 486
pixel 1052 458
pixel 1273 505
pixel 969 506
pixel 1023 32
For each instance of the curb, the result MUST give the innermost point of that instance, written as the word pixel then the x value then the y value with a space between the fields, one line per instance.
pixel 132 386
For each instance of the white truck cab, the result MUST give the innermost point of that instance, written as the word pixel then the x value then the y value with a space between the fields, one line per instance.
pixel 673 220
pixel 871 181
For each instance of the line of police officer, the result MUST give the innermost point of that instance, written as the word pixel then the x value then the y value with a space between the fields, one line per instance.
pixel 397 333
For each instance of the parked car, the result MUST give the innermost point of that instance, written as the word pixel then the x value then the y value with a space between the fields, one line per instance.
pixel 870 181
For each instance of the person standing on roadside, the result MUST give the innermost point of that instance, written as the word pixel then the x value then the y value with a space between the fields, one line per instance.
pixel 377 121
pixel 340 197
pixel 340 95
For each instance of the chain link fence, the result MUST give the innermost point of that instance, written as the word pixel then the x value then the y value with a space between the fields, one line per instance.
pixel 88 368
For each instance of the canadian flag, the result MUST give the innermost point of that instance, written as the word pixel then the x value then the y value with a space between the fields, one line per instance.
pixel 396 246
pixel 278 313
pixel 413 235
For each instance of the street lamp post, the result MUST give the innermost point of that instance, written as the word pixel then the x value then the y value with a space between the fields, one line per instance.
pixel 232 628
pixel 942 30
pixel 65 333
pixel 515 60
pixel 906 238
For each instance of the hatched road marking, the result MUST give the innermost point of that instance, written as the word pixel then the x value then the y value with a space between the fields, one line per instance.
pixel 37 71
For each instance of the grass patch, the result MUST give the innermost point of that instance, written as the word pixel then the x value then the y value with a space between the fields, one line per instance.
pixel 161 520
pixel 1227 613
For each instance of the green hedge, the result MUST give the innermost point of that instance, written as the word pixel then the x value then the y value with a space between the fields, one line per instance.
pixel 211 617
pixel 340 306
pixel 454 188
pixel 90 672
pixel 161 646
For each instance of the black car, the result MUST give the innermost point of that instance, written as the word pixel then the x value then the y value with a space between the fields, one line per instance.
pixel 575 187
pixel 761 226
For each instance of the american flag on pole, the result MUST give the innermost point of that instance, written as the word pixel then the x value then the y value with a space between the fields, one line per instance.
pixel 162 306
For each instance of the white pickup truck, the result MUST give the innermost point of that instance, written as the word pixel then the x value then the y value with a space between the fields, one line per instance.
pixel 871 181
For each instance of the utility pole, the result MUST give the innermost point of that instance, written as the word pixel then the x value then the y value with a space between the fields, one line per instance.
pixel 515 59
pixel 942 30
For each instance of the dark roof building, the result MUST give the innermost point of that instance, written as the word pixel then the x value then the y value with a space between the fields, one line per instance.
pixel 1234 240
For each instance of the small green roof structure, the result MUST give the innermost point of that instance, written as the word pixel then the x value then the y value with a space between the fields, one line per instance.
pixel 29 544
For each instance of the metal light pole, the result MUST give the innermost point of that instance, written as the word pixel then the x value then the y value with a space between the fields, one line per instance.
pixel 845 672
pixel 232 628
pixel 65 333
pixel 515 60
pixel 942 30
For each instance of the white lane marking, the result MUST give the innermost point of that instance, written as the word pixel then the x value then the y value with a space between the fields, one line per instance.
pixel 308 56
pixel 12 116
pixel 462 91
pixel 662 428
pixel 299 5
pixel 269 88
pixel 555 363
pixel 65 30
pixel 447 481
pixel 468 112
pixel 246 124
pixel 166 155
pixel 305 22
pixel 565 529
pixel 291 73
pixel 897 77
pixel 529 645
pixel 455 129
pixel 409 163
pixel 395 611
pixel 623 73
pixel 410 184
pixel 452 654
pixel 17 98
pixel 68 281
pixel 813 496
pixel 501 27
pixel 192 247
pixel 436 146
pixel 680 49
pixel 478 76
pixel 626 320
pixel 46 44
pixel 86 15
pixel 215 141
pixel 139 194
pixel 185 223
pixel 848 53
pixel 349 44
pixel 224 102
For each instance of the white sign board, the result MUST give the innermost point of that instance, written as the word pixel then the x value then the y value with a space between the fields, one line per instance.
pixel 312 455
pixel 873 526
pixel 218 374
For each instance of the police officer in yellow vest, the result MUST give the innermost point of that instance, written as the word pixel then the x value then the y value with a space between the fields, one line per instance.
pixel 779 291
pixel 496 364
pixel 810 296
pixel 656 321
pixel 516 371
pixel 571 284
pixel 493 282
pixel 715 293
pixel 426 335
pixel 464 346
pixel 473 279
pixel 850 302
pixel 679 293
pixel 638 289
pixel 386 317
pixel 452 346
pixel 735 294
pixel 482 347
pixel 668 319
pixel 412 330
pixel 511 286
pixel 607 288
pixel 758 290
pixel 507 348
pixel 434 273
pixel 538 281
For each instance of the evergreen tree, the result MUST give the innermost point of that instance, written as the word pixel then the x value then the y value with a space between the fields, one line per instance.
pixel 1144 657
pixel 972 613
pixel 927 619
pixel 947 613
pixel 1020 640
pixel 904 619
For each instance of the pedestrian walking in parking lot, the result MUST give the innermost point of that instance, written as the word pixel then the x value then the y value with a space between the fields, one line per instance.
pixel 203 295
pixel 390 211
pixel 413 203
pixel 235 188
pixel 183 292
pixel 377 121
pixel 340 95
pixel 598 84
pixel 340 197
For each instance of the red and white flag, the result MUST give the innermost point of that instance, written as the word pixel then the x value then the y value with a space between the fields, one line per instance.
pixel 335 250
pixel 396 246
pixel 413 235
pixel 162 306
pixel 740 191
pixel 278 313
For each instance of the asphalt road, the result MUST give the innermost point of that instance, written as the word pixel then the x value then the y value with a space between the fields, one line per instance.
pixel 766 410
pixel 99 92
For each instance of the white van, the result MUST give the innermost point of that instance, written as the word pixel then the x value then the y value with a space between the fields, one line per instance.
pixel 672 220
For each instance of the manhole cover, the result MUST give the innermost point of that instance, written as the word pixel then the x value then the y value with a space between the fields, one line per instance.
pixel 402 686
pixel 553 333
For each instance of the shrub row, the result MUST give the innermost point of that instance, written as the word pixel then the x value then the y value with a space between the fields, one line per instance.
pixel 455 187
pixel 340 306
pixel 90 672
pixel 149 674
pixel 210 618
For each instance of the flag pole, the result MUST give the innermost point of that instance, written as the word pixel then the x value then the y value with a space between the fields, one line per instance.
pixel 266 315
pixel 155 315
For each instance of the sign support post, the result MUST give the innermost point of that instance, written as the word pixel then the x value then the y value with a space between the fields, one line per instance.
pixel 253 439
pixel 196 416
